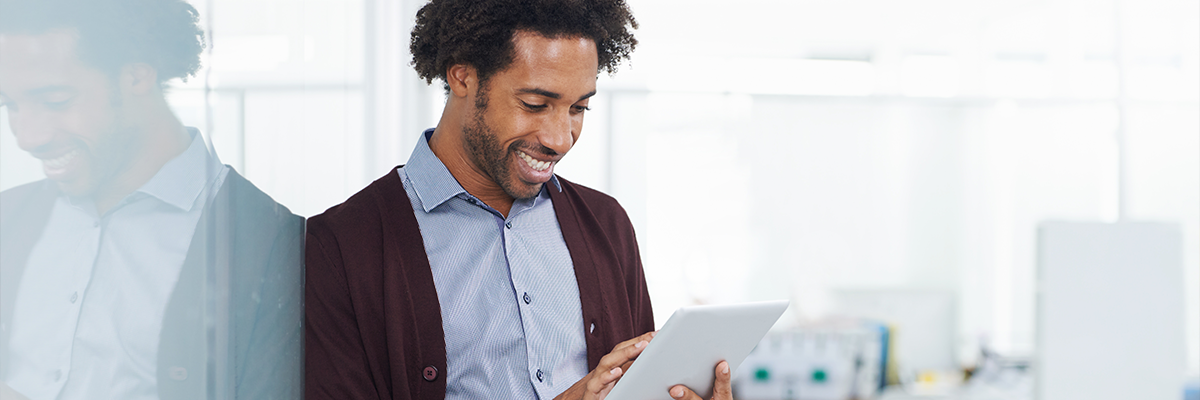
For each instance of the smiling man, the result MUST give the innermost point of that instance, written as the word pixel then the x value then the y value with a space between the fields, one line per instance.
pixel 473 271
pixel 141 267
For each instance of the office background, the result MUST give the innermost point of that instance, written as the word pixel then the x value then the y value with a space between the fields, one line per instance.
pixel 776 149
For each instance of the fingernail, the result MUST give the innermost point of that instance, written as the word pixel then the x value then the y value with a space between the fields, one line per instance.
pixel 652 334
pixel 615 371
pixel 725 370
pixel 677 392
pixel 640 344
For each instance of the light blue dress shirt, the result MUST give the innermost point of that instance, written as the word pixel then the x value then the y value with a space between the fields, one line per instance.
pixel 90 306
pixel 509 299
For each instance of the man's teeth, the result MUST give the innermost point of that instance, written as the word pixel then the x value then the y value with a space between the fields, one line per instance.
pixel 61 161
pixel 535 164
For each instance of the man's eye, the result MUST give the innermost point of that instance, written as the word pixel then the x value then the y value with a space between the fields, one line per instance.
pixel 579 109
pixel 57 104
pixel 535 107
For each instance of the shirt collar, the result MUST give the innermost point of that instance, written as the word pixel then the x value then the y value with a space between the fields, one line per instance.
pixel 181 180
pixel 432 181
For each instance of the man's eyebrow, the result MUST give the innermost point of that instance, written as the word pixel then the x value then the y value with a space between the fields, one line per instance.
pixel 540 92
pixel 49 89
pixel 552 95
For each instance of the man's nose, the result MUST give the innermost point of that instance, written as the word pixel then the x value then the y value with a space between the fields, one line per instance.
pixel 557 134
pixel 31 130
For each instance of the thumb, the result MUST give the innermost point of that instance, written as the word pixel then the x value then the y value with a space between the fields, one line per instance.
pixel 722 390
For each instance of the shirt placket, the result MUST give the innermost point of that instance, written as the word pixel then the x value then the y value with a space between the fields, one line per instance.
pixel 85 260
pixel 526 295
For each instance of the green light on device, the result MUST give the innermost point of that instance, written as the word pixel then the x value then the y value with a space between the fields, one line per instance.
pixel 819 375
pixel 762 374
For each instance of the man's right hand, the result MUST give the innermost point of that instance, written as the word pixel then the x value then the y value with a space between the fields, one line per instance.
pixel 596 384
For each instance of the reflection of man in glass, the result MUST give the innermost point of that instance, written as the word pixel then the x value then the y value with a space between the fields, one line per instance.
pixel 142 267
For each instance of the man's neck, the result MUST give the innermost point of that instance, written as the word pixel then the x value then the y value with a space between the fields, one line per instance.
pixel 163 138
pixel 447 146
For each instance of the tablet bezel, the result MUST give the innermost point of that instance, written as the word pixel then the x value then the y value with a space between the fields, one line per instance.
pixel 690 345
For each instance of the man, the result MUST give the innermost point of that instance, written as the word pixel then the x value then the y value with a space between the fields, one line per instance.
pixel 473 271
pixel 141 268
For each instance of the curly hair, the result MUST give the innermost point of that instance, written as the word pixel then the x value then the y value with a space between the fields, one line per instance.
pixel 115 33
pixel 480 33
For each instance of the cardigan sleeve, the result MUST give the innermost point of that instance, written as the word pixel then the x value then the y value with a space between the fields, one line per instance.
pixel 643 313
pixel 335 365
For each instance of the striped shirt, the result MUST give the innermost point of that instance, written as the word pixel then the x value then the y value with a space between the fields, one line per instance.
pixel 506 286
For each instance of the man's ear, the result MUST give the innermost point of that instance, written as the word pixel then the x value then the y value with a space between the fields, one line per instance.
pixel 139 79
pixel 462 80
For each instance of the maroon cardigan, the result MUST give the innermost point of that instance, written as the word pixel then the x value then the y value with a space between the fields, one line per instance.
pixel 373 322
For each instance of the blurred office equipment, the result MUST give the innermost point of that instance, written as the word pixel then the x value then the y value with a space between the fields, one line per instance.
pixel 1109 306
pixel 923 323
pixel 826 362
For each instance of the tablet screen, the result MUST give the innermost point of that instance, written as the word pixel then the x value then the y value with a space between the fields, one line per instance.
pixel 688 347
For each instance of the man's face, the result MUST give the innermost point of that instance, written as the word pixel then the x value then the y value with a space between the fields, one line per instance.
pixel 529 115
pixel 61 111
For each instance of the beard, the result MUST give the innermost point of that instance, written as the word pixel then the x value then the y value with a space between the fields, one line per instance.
pixel 111 152
pixel 495 160
pixel 104 161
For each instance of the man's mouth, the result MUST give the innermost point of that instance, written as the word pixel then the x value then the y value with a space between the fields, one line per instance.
pixel 534 163
pixel 60 162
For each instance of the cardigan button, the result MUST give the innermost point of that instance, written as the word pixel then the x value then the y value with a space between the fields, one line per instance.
pixel 430 373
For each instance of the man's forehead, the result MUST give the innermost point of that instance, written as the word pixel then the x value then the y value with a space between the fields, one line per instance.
pixel 37 62
pixel 57 44
pixel 527 42
pixel 565 65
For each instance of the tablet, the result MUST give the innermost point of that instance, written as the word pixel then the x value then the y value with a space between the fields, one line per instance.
pixel 688 347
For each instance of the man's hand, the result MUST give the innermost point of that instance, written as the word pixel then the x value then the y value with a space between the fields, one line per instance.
pixel 597 384
pixel 721 388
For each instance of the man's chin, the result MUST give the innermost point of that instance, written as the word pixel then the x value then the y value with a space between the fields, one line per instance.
pixel 75 188
pixel 523 190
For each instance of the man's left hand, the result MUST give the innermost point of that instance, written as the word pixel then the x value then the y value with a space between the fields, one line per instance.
pixel 721 388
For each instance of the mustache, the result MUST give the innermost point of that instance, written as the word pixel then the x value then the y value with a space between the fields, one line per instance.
pixel 532 148
pixel 57 148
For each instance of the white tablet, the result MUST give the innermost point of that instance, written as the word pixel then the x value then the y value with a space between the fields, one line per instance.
pixel 688 347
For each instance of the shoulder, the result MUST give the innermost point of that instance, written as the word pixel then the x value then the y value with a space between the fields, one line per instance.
pixel 19 194
pixel 251 204
pixel 19 200
pixel 592 201
pixel 595 212
pixel 363 212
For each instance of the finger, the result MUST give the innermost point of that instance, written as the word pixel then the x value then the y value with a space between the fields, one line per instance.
pixel 620 357
pixel 680 392
pixel 721 388
pixel 598 383
pixel 626 365
pixel 645 337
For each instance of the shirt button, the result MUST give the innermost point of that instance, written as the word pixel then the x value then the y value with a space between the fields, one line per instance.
pixel 74 296
pixel 177 373
pixel 429 373
pixel 539 375
pixel 527 299
pixel 508 224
